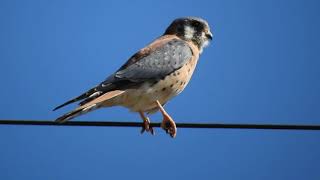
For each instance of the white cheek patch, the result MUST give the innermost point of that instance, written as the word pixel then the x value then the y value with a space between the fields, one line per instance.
pixel 189 32
pixel 205 42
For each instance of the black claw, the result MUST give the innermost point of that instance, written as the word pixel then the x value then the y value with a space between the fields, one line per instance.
pixel 151 131
pixel 142 130
pixel 168 124
pixel 147 127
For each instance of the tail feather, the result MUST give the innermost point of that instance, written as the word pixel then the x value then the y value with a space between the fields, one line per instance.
pixel 68 116
pixel 90 106
pixel 102 98
pixel 75 113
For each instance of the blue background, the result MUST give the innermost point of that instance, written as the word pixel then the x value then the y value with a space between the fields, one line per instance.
pixel 263 66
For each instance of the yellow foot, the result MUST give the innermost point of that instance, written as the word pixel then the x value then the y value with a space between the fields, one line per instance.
pixel 146 124
pixel 169 125
pixel 147 127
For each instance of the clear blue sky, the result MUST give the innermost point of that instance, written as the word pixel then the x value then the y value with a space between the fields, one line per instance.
pixel 263 66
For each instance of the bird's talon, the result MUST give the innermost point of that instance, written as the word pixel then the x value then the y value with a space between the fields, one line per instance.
pixel 142 130
pixel 152 131
pixel 147 127
pixel 169 126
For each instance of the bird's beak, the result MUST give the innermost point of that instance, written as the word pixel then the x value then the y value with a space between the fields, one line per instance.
pixel 209 35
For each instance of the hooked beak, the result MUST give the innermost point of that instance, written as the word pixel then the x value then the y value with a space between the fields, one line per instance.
pixel 209 35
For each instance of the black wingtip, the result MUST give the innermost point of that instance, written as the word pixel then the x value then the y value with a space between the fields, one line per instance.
pixel 82 96
pixel 64 104
pixel 58 107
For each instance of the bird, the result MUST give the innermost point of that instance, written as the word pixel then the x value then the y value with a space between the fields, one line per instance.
pixel 151 77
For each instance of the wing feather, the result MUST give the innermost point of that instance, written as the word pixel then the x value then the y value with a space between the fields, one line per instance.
pixel 158 63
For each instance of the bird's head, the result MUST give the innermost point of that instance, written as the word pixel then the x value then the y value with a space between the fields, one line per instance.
pixel 191 29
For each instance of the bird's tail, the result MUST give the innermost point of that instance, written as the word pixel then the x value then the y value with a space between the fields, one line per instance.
pixel 74 113
pixel 104 100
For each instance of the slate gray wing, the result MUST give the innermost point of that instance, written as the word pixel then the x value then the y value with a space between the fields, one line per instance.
pixel 157 64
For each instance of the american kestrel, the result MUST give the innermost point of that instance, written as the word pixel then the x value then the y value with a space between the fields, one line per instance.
pixel 152 76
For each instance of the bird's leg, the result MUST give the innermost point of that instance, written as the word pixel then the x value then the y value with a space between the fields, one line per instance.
pixel 167 123
pixel 146 124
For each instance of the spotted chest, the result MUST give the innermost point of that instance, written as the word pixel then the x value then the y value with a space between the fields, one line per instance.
pixel 143 98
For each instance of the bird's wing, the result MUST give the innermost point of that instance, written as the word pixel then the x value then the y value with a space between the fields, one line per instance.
pixel 152 63
pixel 157 63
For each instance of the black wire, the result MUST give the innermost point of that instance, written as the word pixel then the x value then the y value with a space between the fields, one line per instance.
pixel 180 125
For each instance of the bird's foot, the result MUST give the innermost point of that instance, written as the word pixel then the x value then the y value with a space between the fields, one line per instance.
pixel 169 125
pixel 146 126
